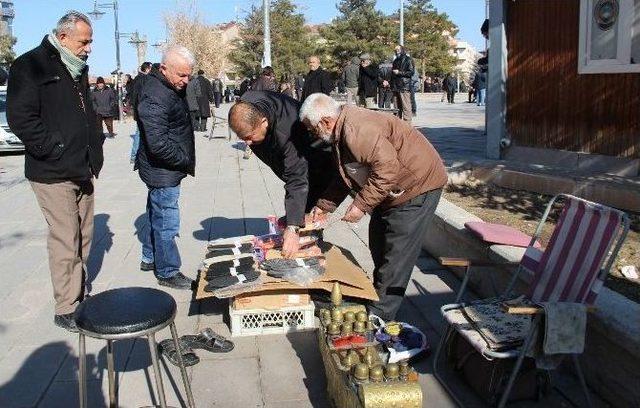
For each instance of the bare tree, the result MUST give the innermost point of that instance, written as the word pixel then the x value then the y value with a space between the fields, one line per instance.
pixel 204 41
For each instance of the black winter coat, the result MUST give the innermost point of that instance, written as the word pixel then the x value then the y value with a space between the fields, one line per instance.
pixel 450 83
pixel 167 147
pixel 54 118
pixel 205 97
pixel 296 157
pixel 317 81
pixel 480 81
pixel 105 102
pixel 368 81
pixel 402 80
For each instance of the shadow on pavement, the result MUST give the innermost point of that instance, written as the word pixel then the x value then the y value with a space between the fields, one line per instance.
pixel 222 227
pixel 305 345
pixel 102 243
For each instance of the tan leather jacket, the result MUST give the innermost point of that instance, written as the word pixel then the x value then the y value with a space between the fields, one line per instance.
pixel 383 159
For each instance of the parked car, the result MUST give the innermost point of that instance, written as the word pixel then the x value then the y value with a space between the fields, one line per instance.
pixel 8 141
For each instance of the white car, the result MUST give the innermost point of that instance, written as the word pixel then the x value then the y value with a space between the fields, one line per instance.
pixel 8 141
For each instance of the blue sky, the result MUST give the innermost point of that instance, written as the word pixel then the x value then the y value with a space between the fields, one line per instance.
pixel 35 18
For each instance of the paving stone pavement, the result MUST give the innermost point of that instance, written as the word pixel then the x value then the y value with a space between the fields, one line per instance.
pixel 229 196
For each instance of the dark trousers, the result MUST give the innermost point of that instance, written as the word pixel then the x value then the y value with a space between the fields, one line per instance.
pixel 202 123
pixel 395 242
pixel 451 96
pixel 217 98
pixel 195 119
pixel 384 98
pixel 108 121
pixel 414 106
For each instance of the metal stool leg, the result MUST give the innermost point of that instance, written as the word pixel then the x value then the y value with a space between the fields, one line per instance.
pixel 183 370
pixel 153 348
pixel 111 375
pixel 82 368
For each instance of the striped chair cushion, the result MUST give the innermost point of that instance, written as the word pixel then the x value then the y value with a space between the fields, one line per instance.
pixel 567 270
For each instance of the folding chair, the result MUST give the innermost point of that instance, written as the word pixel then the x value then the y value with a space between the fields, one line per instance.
pixel 572 268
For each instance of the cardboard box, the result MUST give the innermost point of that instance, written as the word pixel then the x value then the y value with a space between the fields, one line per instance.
pixel 340 267
pixel 271 300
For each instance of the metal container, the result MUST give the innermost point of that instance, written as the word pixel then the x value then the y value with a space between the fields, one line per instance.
pixel 349 317
pixel 333 328
pixel 391 371
pixel 336 316
pixel 336 295
pixel 376 374
pixel 361 372
pixel 362 317
pixel 347 328
pixel 404 369
pixel 359 327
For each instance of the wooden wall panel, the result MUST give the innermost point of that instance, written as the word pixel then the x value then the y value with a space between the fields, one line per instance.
pixel 548 104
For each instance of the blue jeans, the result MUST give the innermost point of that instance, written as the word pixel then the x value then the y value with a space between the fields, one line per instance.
pixel 163 221
pixel 481 95
pixel 135 144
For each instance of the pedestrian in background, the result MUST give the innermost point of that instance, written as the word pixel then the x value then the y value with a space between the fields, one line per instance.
pixel 217 86
pixel 299 85
pixel 49 108
pixel 317 80
pixel 415 87
pixel 480 85
pixel 132 97
pixel 402 72
pixel 367 82
pixel 266 81
pixel 385 95
pixel 205 99
pixel 450 84
pixel 105 104
pixel 166 156
pixel 351 79
pixel 192 92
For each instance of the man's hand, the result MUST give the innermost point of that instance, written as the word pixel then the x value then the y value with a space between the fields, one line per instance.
pixel 316 214
pixel 353 214
pixel 396 71
pixel 385 83
pixel 291 243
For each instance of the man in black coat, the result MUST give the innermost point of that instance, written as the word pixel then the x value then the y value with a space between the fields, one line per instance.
pixel 132 97
pixel 268 122
pixel 49 108
pixel 205 98
pixel 450 85
pixel 317 80
pixel 367 82
pixel 166 156
pixel 402 70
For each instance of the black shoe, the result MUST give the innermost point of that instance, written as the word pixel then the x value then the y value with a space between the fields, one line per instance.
pixel 177 281
pixel 147 266
pixel 66 321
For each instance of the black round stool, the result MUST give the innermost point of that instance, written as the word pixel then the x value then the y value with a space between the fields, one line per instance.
pixel 126 313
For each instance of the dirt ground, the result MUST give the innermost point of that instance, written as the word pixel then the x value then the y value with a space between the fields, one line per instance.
pixel 524 209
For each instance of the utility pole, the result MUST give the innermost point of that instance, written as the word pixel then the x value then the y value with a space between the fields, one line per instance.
pixel 266 57
pixel 97 14
pixel 402 22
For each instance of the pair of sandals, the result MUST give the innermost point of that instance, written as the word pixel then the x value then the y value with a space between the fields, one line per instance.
pixel 207 340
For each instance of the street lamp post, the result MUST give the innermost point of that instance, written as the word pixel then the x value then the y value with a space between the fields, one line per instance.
pixel 96 13
pixel 402 23
pixel 266 57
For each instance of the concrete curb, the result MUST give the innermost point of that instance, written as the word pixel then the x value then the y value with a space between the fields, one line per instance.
pixel 612 353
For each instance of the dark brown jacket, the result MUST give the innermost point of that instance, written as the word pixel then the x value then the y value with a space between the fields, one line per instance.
pixel 383 159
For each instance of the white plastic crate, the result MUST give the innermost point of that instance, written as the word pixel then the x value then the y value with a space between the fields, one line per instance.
pixel 256 322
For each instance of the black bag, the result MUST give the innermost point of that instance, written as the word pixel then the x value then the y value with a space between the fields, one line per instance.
pixel 489 378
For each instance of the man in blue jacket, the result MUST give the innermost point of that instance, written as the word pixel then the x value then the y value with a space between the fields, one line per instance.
pixel 166 156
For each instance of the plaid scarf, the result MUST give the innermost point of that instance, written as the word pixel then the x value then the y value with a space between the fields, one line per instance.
pixel 74 64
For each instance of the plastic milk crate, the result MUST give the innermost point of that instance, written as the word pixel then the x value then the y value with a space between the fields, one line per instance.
pixel 255 322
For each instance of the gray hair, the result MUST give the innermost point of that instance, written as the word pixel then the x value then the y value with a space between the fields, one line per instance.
pixel 67 23
pixel 180 51
pixel 318 106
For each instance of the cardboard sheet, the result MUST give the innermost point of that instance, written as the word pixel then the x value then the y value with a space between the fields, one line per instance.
pixel 339 268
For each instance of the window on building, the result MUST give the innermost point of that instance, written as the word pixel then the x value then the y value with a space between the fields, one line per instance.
pixel 609 36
